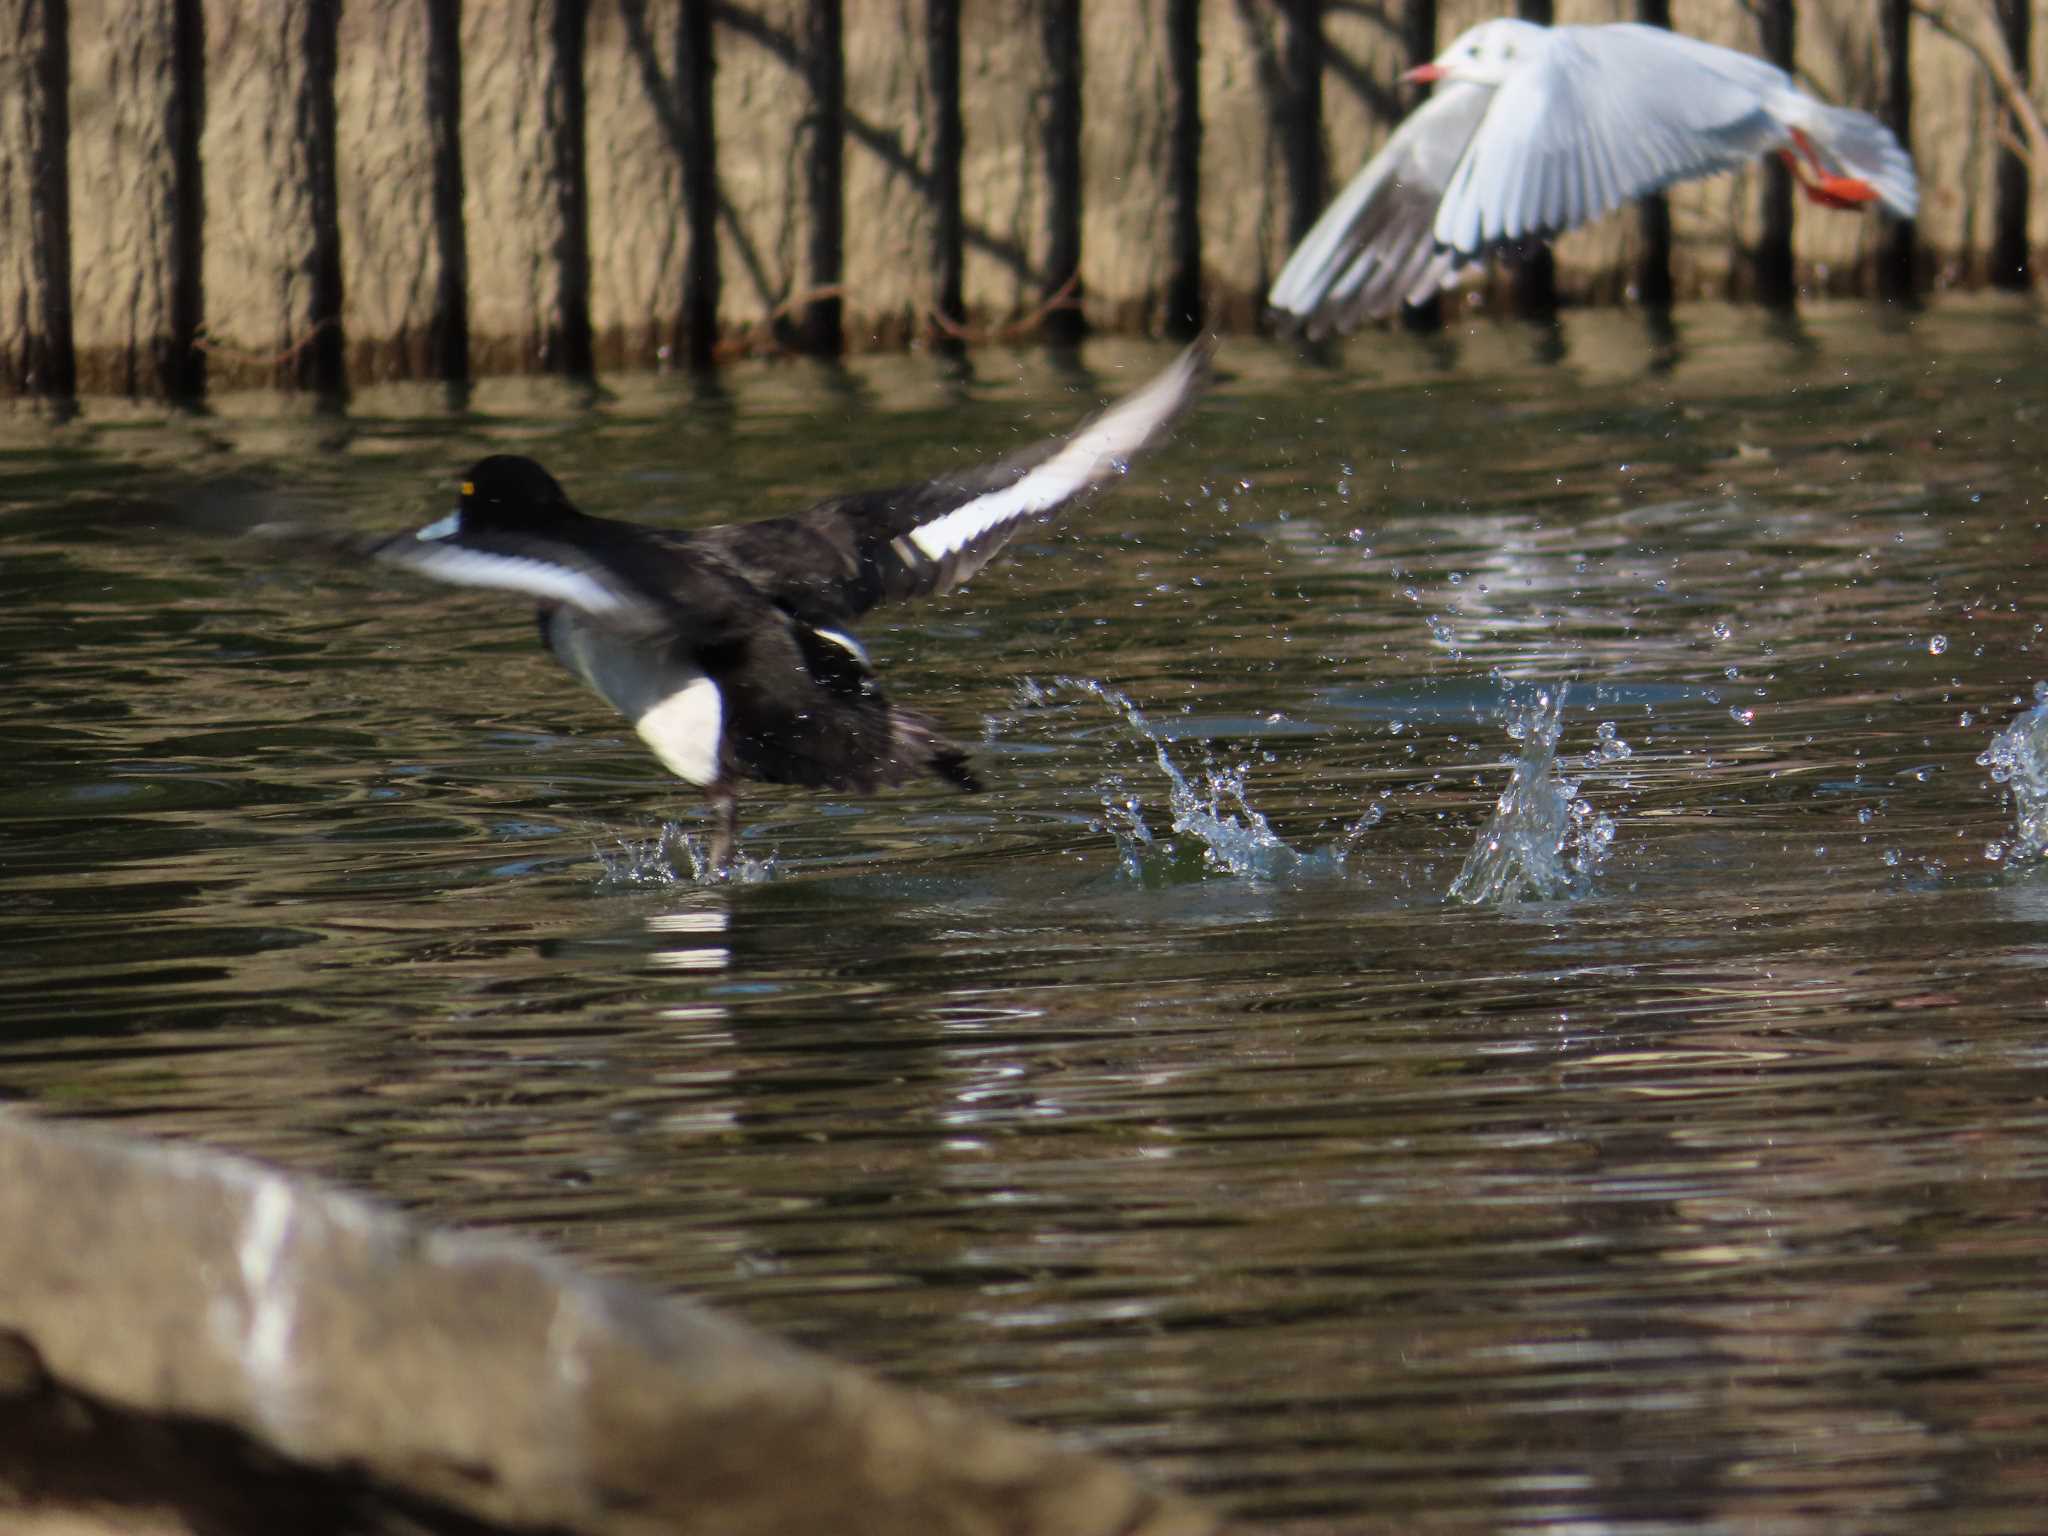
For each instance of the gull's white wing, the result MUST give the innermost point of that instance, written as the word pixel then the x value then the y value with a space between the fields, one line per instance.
pixel 1373 249
pixel 1599 115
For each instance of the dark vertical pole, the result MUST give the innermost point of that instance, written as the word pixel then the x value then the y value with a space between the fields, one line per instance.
pixel 321 366
pixel 1896 245
pixel 1653 213
pixel 949 224
pixel 2009 235
pixel 1418 46
pixel 1775 287
pixel 1301 143
pixel 1535 266
pixel 180 361
pixel 47 364
pixel 448 328
pixel 1184 168
pixel 2009 239
pixel 567 347
pixel 1062 32
pixel 820 329
pixel 695 64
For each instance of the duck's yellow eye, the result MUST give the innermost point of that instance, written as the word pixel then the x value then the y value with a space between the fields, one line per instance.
pixel 469 487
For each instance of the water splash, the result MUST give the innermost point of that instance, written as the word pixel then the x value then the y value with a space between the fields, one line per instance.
pixel 675 856
pixel 2018 757
pixel 1214 815
pixel 1543 841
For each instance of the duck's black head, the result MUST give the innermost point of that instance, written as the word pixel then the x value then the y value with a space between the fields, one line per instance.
pixel 506 493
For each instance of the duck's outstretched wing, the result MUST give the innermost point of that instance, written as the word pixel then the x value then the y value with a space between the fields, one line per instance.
pixel 843 556
pixel 549 571
pixel 1374 248
pixel 628 582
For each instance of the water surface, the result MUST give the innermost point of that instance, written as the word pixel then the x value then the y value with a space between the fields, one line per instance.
pixel 1710 1197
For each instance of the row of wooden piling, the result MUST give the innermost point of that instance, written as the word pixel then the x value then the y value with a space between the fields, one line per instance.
pixel 38 355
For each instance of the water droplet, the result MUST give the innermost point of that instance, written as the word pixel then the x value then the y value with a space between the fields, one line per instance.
pixel 1864 815
pixel 1937 645
pixel 1891 858
pixel 1723 629
pixel 1742 716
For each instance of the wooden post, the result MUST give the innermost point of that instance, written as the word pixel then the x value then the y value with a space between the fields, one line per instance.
pixel 1418 46
pixel 2009 242
pixel 1184 168
pixel 696 64
pixel 1895 257
pixel 1062 34
pixel 1535 265
pixel 949 221
pixel 448 328
pixel 1653 213
pixel 36 355
pixel 819 328
pixel 1776 286
pixel 321 364
pixel 567 346
pixel 1301 144
pixel 179 361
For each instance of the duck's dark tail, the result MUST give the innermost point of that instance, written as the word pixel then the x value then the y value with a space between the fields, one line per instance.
pixel 920 749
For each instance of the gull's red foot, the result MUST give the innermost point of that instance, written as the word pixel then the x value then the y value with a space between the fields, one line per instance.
pixel 1822 185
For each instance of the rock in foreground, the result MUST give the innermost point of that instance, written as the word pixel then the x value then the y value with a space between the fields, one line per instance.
pixel 193 1343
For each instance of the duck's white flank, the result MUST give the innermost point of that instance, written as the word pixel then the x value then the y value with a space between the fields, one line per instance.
pixel 1092 455
pixel 683 730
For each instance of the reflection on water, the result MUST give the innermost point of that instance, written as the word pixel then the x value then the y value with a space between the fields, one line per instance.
pixel 1709 1200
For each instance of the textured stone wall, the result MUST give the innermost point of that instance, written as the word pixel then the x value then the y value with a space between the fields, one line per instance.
pixel 276 269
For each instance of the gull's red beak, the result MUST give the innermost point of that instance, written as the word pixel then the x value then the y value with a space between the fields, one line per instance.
pixel 1424 74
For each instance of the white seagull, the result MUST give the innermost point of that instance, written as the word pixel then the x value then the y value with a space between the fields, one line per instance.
pixel 1535 130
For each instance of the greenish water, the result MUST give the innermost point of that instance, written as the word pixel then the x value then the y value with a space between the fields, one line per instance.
pixel 1710 1199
